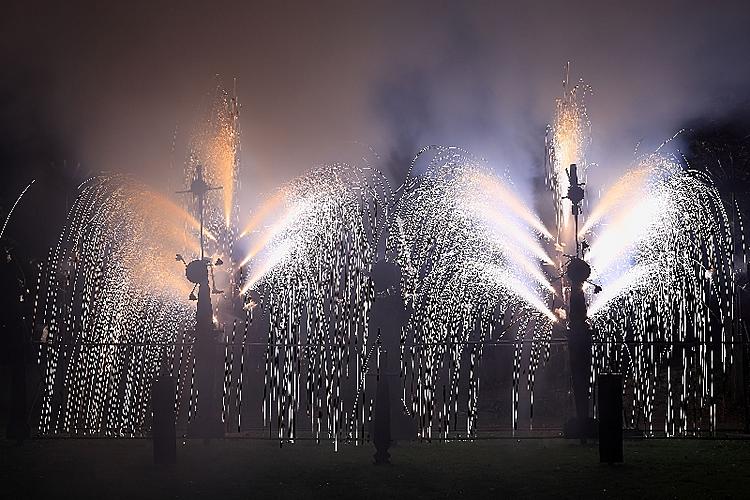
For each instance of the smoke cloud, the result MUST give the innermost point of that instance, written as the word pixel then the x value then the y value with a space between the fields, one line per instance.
pixel 316 80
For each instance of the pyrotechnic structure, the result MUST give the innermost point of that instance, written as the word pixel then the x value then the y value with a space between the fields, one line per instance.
pixel 470 254
pixel 566 142
pixel 111 298
pixel 215 147
pixel 113 301
pixel 661 251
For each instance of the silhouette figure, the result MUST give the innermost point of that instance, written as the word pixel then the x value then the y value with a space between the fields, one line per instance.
pixel 388 318
pixel 12 305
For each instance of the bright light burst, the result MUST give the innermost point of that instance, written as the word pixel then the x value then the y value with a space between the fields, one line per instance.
pixel 469 250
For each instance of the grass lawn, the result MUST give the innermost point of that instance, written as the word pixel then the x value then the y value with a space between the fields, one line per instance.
pixel 498 468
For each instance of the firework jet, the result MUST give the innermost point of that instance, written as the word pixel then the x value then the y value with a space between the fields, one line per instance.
pixel 567 141
pixel 215 146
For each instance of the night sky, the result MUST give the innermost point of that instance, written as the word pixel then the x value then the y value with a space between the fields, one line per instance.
pixel 91 87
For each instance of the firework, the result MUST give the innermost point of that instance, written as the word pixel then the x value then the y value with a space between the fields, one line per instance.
pixel 215 146
pixel 662 249
pixel 310 263
pixel 112 300
pixel 470 251
pixel 567 142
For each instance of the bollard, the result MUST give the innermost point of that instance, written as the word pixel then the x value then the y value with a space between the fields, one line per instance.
pixel 164 433
pixel 382 423
pixel 610 418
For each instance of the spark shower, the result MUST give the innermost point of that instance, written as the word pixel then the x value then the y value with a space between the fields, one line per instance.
pixel 476 264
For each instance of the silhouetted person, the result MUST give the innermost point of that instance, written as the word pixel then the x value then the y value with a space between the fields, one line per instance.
pixel 12 303
pixel 388 318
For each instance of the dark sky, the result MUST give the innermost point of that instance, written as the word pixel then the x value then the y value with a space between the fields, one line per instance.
pixel 104 84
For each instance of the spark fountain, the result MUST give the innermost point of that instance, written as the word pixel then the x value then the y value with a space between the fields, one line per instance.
pixel 215 149
pixel 470 253
pixel 113 302
pixel 566 143
pixel 110 300
pixel 662 248
pixel 473 261
pixel 309 268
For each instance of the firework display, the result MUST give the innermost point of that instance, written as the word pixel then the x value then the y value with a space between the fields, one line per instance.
pixel 475 265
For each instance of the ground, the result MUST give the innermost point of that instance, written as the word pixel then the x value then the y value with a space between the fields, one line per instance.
pixel 253 468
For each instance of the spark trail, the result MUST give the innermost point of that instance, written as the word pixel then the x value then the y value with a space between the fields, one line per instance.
pixel 469 251
pixel 662 250
pixel 112 299
pixel 311 267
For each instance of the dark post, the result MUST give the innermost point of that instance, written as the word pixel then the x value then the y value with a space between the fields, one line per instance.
pixel 610 417
pixel 579 330
pixel 382 421
pixel 388 317
pixel 13 342
pixel 207 423
pixel 579 346
pixel 163 432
